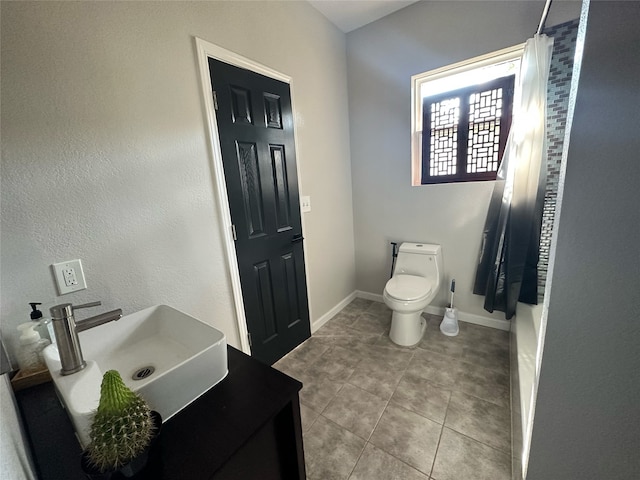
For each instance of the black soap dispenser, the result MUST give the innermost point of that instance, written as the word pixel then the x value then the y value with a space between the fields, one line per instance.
pixel 36 316
pixel 35 313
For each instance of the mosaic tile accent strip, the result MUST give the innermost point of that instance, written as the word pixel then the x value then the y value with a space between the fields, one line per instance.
pixel 557 105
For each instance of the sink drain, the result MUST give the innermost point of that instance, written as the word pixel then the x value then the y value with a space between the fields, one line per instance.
pixel 143 373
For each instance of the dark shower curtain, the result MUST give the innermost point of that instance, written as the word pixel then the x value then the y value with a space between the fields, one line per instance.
pixel 507 269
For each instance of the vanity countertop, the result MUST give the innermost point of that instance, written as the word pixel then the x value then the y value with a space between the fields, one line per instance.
pixel 238 429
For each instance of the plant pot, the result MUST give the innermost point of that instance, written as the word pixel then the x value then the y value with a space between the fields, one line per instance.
pixel 130 469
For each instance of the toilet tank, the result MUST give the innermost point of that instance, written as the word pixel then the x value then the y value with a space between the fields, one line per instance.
pixel 420 259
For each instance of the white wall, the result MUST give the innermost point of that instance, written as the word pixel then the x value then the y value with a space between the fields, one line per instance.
pixel 382 57
pixel 105 156
pixel 587 415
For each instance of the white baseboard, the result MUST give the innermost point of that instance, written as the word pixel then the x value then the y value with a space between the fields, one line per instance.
pixel 369 296
pixel 333 312
pixel 433 310
pixel 496 323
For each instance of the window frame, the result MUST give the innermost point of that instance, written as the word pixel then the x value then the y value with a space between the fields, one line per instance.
pixel 417 82
pixel 507 84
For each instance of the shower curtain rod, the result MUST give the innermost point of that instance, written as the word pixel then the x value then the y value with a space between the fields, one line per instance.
pixel 545 12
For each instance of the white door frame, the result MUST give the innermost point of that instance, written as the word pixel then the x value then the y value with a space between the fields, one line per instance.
pixel 206 50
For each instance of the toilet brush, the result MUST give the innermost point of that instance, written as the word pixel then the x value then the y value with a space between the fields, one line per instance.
pixel 449 325
pixel 453 289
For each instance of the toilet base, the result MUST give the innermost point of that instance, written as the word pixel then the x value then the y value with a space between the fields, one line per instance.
pixel 407 329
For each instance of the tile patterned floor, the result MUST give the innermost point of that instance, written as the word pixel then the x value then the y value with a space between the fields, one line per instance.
pixel 376 411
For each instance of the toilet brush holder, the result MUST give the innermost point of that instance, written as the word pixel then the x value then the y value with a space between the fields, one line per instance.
pixel 449 325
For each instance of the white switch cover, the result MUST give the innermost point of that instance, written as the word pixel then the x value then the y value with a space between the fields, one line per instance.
pixel 69 276
pixel 305 204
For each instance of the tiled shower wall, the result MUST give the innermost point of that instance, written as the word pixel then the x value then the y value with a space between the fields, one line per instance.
pixel 564 45
pixel 557 105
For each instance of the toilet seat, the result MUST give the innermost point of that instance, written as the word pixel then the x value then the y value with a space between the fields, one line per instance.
pixel 408 288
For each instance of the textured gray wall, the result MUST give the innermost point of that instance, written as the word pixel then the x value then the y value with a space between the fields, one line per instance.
pixel 587 416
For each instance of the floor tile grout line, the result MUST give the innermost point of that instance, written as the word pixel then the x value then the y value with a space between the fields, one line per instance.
pixel 438 386
pixel 332 398
pixel 396 457
pixel 363 447
pixel 458 390
pixel 484 400
pixel 435 457
pixel 476 440
pixel 366 442
pixel 357 460
pixel 371 393
pixel 314 420
pixel 312 424
pixel 380 417
pixel 499 450
pixel 391 455
pixel 444 421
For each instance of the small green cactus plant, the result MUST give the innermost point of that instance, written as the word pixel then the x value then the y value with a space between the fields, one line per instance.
pixel 122 426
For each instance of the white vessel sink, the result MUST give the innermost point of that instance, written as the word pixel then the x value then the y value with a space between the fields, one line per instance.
pixel 187 356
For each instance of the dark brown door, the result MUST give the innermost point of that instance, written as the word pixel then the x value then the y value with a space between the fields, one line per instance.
pixel 255 125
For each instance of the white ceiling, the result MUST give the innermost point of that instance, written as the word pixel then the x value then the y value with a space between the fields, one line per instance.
pixel 348 15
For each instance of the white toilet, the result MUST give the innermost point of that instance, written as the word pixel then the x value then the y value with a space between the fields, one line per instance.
pixel 417 277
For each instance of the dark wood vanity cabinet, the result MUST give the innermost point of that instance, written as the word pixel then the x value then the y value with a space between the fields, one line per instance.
pixel 246 427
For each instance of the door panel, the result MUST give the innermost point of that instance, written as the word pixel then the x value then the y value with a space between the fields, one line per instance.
pixel 255 125
pixel 281 187
pixel 252 196
pixel 266 314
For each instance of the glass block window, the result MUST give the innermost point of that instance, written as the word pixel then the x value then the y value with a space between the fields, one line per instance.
pixel 467 132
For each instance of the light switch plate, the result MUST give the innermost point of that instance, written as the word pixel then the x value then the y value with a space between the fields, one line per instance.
pixel 69 276
pixel 305 204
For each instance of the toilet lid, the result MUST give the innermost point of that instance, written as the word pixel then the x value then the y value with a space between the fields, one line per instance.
pixel 408 287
